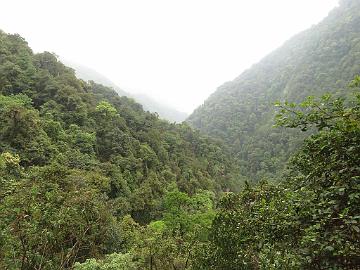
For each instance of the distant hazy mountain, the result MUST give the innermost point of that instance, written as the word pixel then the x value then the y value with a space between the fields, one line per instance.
pixel 89 74
pixel 149 104
pixel 241 112
pixel 163 110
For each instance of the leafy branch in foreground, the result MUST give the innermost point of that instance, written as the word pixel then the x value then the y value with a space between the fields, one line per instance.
pixel 311 220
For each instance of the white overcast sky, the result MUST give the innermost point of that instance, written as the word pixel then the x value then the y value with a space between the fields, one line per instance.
pixel 177 51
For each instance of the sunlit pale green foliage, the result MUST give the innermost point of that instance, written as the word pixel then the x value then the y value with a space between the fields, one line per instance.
pixel 115 261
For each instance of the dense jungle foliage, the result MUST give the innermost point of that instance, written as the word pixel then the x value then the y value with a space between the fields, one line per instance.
pixel 76 159
pixel 321 59
pixel 311 218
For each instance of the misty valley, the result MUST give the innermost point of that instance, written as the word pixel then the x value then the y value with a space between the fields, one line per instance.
pixel 265 174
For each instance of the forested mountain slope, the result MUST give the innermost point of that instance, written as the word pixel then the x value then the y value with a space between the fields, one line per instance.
pixel 75 158
pixel 148 103
pixel 241 112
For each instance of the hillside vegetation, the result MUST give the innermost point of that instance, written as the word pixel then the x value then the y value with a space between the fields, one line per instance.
pixel 76 158
pixel 321 59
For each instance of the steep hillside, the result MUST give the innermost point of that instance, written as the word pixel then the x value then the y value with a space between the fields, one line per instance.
pixel 75 158
pixel 149 104
pixel 241 112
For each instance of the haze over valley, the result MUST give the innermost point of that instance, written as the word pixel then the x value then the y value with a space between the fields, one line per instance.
pixel 175 52
pixel 149 104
